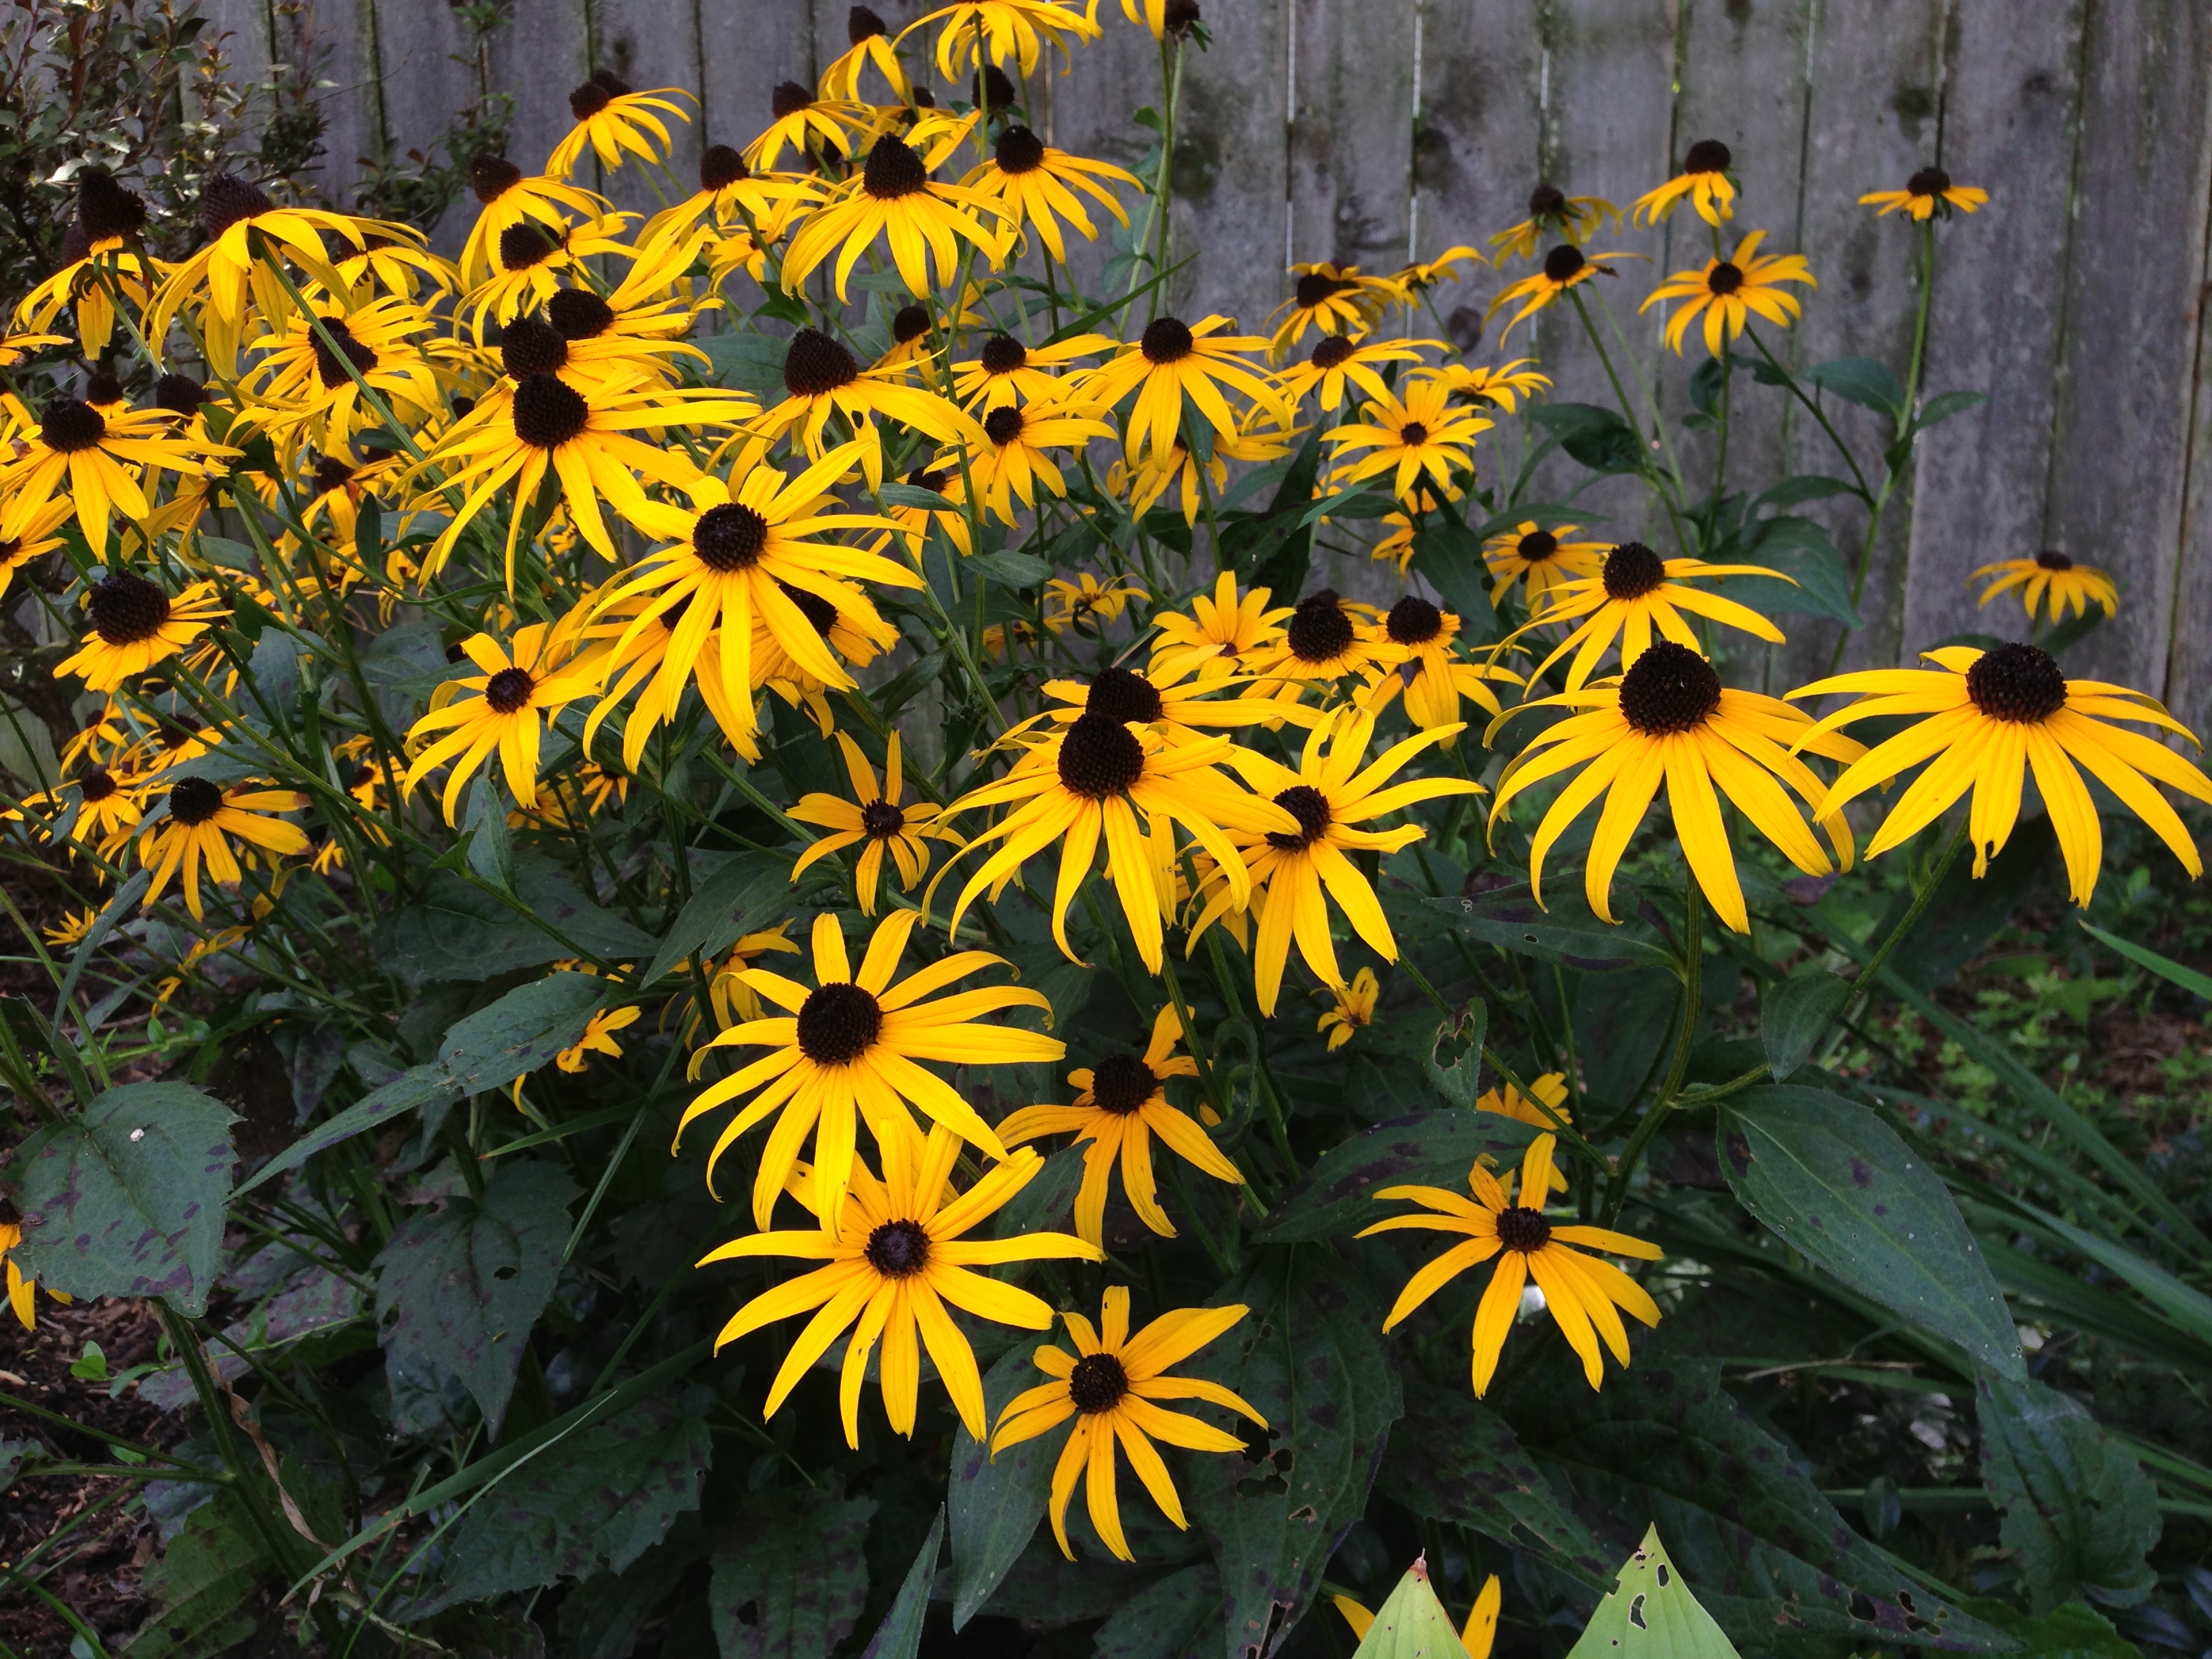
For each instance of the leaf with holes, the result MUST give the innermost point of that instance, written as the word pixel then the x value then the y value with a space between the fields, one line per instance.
pixel 127 1200
pixel 1651 1614
pixel 2080 1515
pixel 1430 1149
pixel 205 1586
pixel 1411 1624
pixel 791 1585
pixel 459 1288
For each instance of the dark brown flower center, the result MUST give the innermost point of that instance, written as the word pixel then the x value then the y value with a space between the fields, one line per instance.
pixel 528 347
pixel 1019 150
pixel 577 314
pixel 1413 434
pixel 788 99
pixel 880 820
pixel 898 1249
pixel 721 166
pixel 548 412
pixel 1725 277
pixel 180 394
pixel 492 176
pixel 1547 202
pixel 837 1024
pixel 1414 621
pixel 816 364
pixel 1100 756
pixel 97 785
pixel 194 800
pixel 1166 340
pixel 522 246
pixel 1330 350
pixel 1315 286
pixel 105 209
pixel 1123 1083
pixel 1004 424
pixel 861 24
pixel 995 92
pixel 893 170
pixel 1310 808
pixel 1537 546
pixel 1632 570
pixel 911 323
pixel 1002 354
pixel 1929 181
pixel 1520 1228
pixel 507 692
pixel 331 472
pixel 1319 630
pixel 76 243
pixel 100 387
pixel 2021 684
pixel 821 615
pixel 1180 18
pixel 1097 1383
pixel 329 370
pixel 730 538
pixel 923 478
pixel 127 609
pixel 69 425
pixel 1563 262
pixel 1708 155
pixel 1670 687
pixel 11 549
pixel 2053 559
pixel 226 198
pixel 1120 694
pixel 595 95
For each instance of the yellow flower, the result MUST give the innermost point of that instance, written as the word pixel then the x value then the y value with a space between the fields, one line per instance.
pixel 1565 268
pixel 509 198
pixel 893 1261
pixel 1422 436
pixel 1223 635
pixel 1020 29
pixel 1170 702
pixel 598 1038
pixel 847 1050
pixel 1122 1105
pixel 614 122
pixel 878 820
pixel 1984 719
pixel 1669 719
pixel 725 985
pixel 870 43
pixel 1327 638
pixel 80 454
pixel 1172 360
pixel 1015 463
pixel 1332 298
pixel 1499 385
pixel 1545 1105
pixel 1166 19
pixel 1035 184
pixel 21 1289
pixel 37 536
pixel 1728 291
pixel 821 377
pixel 1540 560
pixel 1005 371
pixel 300 388
pixel 201 816
pixel 71 930
pixel 1353 1011
pixel 809 125
pixel 1553 212
pixel 531 259
pixel 1336 358
pixel 1704 182
pixel 734 200
pixel 1580 1292
pixel 1433 677
pixel 1927 193
pixel 17 349
pixel 513 694
pixel 2049 581
pixel 135 625
pixel 1111 1385
pixel 1635 592
pixel 1069 603
pixel 892 196
pixel 1477 1637
pixel 96 266
pixel 1409 282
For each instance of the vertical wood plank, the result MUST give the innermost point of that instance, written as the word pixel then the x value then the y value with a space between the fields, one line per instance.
pixel 745 47
pixel 2133 290
pixel 650 43
pixel 428 75
pixel 243 27
pixel 1352 132
pixel 1088 111
pixel 541 57
pixel 335 43
pixel 2188 690
pixel 2011 100
pixel 1229 178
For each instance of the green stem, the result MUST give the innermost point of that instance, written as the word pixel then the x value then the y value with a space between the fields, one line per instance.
pixel 1692 991
pixel 1644 467
pixel 1863 987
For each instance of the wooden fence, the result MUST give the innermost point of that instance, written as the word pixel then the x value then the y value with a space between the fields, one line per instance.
pixel 1361 130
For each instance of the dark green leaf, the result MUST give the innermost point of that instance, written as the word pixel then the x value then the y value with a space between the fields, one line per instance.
pixel 748 362
pixel 913 495
pixel 1804 487
pixel 127 1200
pixel 1449 556
pixel 1796 1013
pixel 1945 404
pixel 2074 1630
pixel 1833 1180
pixel 459 1288
pixel 605 1616
pixel 1010 569
pixel 2188 979
pixel 1452 1058
pixel 1349 504
pixel 1178 1617
pixel 423 1086
pixel 792 1585
pixel 457 932
pixel 1283 569
pixel 995 1502
pixel 204 1588
pixel 1650 1613
pixel 1860 380
pixel 746 891
pixel 1310 1358
pixel 491 853
pixel 899 1636
pixel 1625 1030
pixel 1801 549
pixel 2080 1515
pixel 1432 1149
pixel 1598 438
pixel 520 1032
pixel 1564 931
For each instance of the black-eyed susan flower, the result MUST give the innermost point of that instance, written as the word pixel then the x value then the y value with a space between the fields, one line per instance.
pixel 893 1257
pixel 1087 598
pixel 894 197
pixel 1336 360
pixel 868 44
pixel 38 535
pixel 1168 20
pixel 302 387
pixel 22 1289
pixel 613 122
pixel 1545 1105
pixel 92 458
pixel 599 1038
pixel 1327 638
pixel 202 817
pixel 812 127
pixel 1421 437
pixel 17 349
pixel 732 196
pixel 402 269
pixel 1730 291
pixel 2050 582
pixel 856 634
pixel 876 820
pixel 1005 371
pixel 1122 1105
pixel 135 625
pixel 95 807
pixel 1565 268
pixel 1332 298
pixel 1335 791
pixel 1173 360
pixel 1163 469
pixel 1581 1292
pixel 1435 677
pixel 1669 720
pixel 847 1049
pixel 1500 387
pixel 519 687
pixel 1635 593
pixel 1035 184
pixel 1176 702
pixel 1926 193
pixel 1540 560
pixel 1704 183
pixel 1223 635
pixel 72 930
pixel 970 30
pixel 1553 212
pixel 1409 283
pixel 1984 720
pixel 1111 1386
pixel 511 198
pixel 1015 462
pixel 529 261
pixel 821 377
pixel 1478 1636
pixel 1351 1009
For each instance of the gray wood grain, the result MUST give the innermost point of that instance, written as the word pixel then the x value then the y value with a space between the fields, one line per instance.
pixel 651 44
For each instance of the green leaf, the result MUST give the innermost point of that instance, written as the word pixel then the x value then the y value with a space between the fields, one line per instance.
pixel 204 1587
pixel 1651 1614
pixel 899 1636
pixel 1860 381
pixel 90 1366
pixel 1565 930
pixel 459 1288
pixel 995 1502
pixel 1010 569
pixel 1310 1358
pixel 2072 1631
pixel 611 1495
pixel 460 932
pixel 491 853
pixel 1598 438
pixel 1945 404
pixel 520 1032
pixel 1450 555
pixel 744 892
pixel 749 361
pixel 1801 549
pixel 414 1090
pixel 605 1616
pixel 127 1200
pixel 1796 1013
pixel 791 1585
pixel 2080 1515
pixel 1349 504
pixel 1175 1618
pixel 1430 1149
pixel 1833 1180
pixel 2188 979
pixel 1453 1459
pixel 1411 1624
pixel 1460 1037
pixel 1803 487
pixel 913 495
